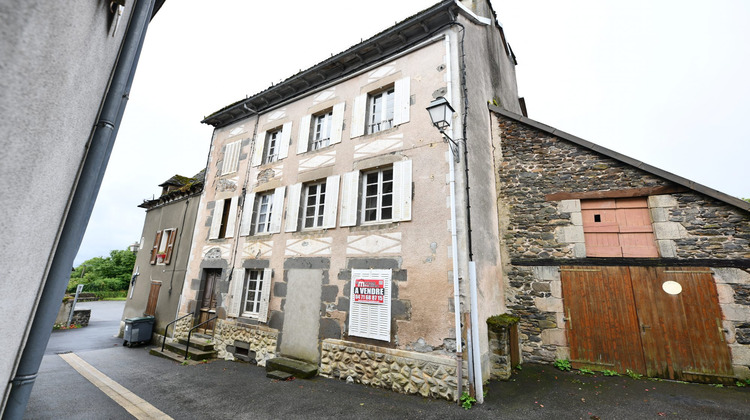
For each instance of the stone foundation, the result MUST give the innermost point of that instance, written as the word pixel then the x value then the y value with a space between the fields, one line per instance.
pixel 256 341
pixel 397 370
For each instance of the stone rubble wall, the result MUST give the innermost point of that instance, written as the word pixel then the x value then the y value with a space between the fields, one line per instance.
pixel 499 341
pixel 262 340
pixel 401 371
pixel 687 225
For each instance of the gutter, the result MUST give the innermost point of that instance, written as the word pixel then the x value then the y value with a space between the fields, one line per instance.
pixel 80 208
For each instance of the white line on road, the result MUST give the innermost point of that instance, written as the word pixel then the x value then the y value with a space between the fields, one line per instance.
pixel 135 405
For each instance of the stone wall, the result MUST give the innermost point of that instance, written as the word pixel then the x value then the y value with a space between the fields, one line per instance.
pixel 533 164
pixel 397 370
pixel 258 341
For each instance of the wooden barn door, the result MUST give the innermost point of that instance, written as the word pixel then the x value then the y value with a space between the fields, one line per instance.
pixel 682 334
pixel 621 318
pixel 601 319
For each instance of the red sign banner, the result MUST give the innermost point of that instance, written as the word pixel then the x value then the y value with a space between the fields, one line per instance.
pixel 369 291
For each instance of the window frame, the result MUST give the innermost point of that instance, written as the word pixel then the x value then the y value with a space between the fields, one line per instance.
pixel 317 140
pixel 379 195
pixel 259 197
pixel 318 207
pixel 258 293
pixel 375 118
pixel 272 144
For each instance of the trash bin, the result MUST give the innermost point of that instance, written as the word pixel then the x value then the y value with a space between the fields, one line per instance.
pixel 138 330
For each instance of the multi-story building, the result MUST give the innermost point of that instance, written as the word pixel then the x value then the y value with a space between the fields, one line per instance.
pixel 164 251
pixel 338 226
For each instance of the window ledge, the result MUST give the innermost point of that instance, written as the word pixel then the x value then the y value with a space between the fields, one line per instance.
pixel 375 226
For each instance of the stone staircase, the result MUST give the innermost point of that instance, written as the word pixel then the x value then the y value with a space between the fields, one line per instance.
pixel 283 368
pixel 201 350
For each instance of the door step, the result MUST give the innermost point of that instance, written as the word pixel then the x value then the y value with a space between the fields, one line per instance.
pixel 277 374
pixel 297 368
pixel 199 352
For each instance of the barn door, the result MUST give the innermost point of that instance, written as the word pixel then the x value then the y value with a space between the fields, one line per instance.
pixel 663 322
pixel 601 319
pixel 680 324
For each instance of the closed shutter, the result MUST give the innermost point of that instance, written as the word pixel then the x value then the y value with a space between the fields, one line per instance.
pixel 349 198
pixel 337 122
pixel 155 249
pixel 247 214
pixel 265 294
pixel 231 157
pixel 618 228
pixel 331 202
pixel 277 210
pixel 304 134
pixel 260 141
pixel 216 221
pixel 401 101
pixel 238 287
pixel 402 190
pixel 292 208
pixel 231 218
pixel 153 298
pixel 371 320
pixel 358 116
pixel 170 245
pixel 286 136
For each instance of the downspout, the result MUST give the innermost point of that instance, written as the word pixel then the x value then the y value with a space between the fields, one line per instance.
pixel 454 236
pixel 80 208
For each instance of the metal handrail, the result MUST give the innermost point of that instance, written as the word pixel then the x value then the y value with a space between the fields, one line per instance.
pixel 187 347
pixel 166 329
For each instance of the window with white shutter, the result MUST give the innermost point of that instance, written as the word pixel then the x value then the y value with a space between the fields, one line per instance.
pixel 381 109
pixel 231 218
pixel 349 198
pixel 370 304
pixel 216 221
pixel 247 214
pixel 231 157
pixel 238 280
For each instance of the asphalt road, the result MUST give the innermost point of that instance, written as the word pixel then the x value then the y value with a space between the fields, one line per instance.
pixel 237 390
pixel 100 333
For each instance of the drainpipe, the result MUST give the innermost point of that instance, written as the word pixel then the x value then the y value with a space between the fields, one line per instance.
pixel 80 207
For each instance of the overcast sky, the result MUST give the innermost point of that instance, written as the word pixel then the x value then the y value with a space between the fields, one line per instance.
pixel 665 82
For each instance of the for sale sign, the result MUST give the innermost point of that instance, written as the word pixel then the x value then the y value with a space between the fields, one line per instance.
pixel 369 291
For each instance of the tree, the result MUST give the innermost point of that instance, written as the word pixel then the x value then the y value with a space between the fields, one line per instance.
pixel 104 274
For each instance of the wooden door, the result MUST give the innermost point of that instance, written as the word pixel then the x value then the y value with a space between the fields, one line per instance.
pixel 207 301
pixel 601 318
pixel 153 298
pixel 621 318
pixel 682 333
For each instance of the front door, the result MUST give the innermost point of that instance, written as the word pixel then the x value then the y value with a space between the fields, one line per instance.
pixel 207 299
pixel 662 322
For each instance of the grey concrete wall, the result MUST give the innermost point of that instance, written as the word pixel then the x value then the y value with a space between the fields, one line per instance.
pixel 302 314
pixel 180 215
pixel 57 61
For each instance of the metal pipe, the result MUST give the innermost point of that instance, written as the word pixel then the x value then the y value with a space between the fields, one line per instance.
pixel 80 208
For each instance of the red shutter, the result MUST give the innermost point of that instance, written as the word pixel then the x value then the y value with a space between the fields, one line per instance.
pixel 155 249
pixel 170 245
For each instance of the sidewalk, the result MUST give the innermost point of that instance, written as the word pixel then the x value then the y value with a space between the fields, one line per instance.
pixel 236 390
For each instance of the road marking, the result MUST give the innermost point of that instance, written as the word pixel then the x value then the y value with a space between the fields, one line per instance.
pixel 135 405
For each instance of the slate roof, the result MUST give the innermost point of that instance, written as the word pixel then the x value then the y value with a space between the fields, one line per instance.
pixel 186 186
pixel 692 185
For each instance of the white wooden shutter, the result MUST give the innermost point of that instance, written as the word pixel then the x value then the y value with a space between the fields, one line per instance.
pixel 247 214
pixel 292 208
pixel 265 293
pixel 304 134
pixel 331 202
pixel 349 198
pixel 402 190
pixel 260 142
pixel 277 210
pixel 401 101
pixel 371 320
pixel 337 122
pixel 231 218
pixel 286 135
pixel 231 157
pixel 358 116
pixel 216 221
pixel 238 286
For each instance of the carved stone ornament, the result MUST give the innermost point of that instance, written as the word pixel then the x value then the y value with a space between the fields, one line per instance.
pixel 213 254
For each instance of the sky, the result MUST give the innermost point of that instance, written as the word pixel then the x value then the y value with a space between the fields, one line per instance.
pixel 665 82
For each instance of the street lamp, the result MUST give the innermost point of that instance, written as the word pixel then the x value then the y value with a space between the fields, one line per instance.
pixel 441 114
